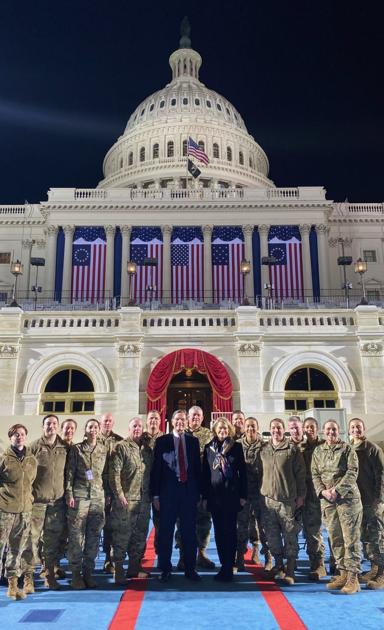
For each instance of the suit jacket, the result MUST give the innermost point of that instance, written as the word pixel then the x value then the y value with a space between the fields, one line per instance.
pixel 224 494
pixel 164 479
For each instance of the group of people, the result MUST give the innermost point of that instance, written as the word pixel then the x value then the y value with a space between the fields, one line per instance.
pixel 56 496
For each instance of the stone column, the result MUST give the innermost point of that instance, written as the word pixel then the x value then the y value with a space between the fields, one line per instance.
pixel 249 286
pixel 125 257
pixel 306 260
pixel 207 232
pixel 263 231
pixel 50 262
pixel 24 286
pixel 67 265
pixel 322 233
pixel 167 231
pixel 109 266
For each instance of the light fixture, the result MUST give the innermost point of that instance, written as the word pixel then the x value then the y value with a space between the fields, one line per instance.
pixel 16 270
pixel 131 270
pixel 361 268
pixel 245 268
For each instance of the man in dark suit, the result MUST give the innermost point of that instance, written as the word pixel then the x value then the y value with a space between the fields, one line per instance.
pixel 176 487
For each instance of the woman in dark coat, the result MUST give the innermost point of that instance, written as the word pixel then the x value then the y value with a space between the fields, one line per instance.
pixel 224 491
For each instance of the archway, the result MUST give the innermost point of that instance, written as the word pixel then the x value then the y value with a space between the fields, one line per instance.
pixel 189 359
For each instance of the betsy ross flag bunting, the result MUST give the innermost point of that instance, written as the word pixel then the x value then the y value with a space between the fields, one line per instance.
pixel 147 242
pixel 284 243
pixel 227 254
pixel 197 151
pixel 187 264
pixel 88 264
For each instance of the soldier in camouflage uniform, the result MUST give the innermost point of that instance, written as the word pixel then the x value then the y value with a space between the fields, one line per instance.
pixel 251 443
pixel 109 439
pixel 370 482
pixel 84 492
pixel 129 476
pixel 18 469
pixel 312 508
pixel 149 438
pixel 203 517
pixel 334 472
pixel 282 494
pixel 49 510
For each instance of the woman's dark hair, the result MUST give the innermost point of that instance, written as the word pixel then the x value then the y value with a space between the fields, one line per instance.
pixel 14 428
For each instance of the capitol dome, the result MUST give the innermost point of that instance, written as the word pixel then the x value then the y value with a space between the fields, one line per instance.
pixel 152 152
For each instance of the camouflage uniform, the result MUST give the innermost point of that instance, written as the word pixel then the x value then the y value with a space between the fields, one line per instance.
pixel 249 524
pixel 49 510
pixel 150 440
pixel 312 509
pixel 336 466
pixel 283 480
pixel 86 519
pixel 16 478
pixel 110 442
pixel 370 482
pixel 129 475
pixel 203 517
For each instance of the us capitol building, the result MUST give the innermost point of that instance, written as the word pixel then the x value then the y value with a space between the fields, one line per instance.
pixel 188 277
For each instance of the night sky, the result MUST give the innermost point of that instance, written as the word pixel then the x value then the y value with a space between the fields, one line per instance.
pixel 306 76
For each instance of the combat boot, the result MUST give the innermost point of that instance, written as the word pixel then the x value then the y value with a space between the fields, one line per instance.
pixel 108 566
pixel 59 572
pixel 289 577
pixel 318 571
pixel 255 558
pixel 369 575
pixel 135 570
pixel 377 583
pixel 13 591
pixel 338 581
pixel 268 561
pixel 351 585
pixel 203 562
pixel 29 586
pixel 77 582
pixel 50 580
pixel 119 574
pixel 239 566
pixel 89 581
pixel 277 571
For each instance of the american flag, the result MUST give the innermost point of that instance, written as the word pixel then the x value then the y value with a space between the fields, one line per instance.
pixel 88 264
pixel 197 152
pixel 147 242
pixel 284 243
pixel 227 254
pixel 187 263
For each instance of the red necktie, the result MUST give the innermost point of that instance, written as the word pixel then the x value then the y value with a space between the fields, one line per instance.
pixel 182 464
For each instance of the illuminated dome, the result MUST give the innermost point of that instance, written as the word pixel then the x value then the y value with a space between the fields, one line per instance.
pixel 151 153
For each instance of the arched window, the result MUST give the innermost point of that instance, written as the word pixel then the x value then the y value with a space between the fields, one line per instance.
pixel 155 151
pixel 142 154
pixel 216 150
pixel 201 145
pixel 250 162
pixel 241 158
pixel 170 149
pixel 185 147
pixel 68 391
pixel 121 162
pixel 229 154
pixel 130 158
pixel 309 387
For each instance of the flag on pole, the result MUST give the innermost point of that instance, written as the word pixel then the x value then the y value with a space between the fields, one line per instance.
pixel 227 254
pixel 147 242
pixel 187 264
pixel 284 244
pixel 192 168
pixel 194 149
pixel 88 264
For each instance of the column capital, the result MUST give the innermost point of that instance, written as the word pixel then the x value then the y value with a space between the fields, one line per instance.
pixel 247 230
pixel 166 230
pixel 264 229
pixel 125 230
pixel 68 230
pixel 110 230
pixel 322 229
pixel 51 230
pixel 304 229
pixel 27 243
pixel 207 230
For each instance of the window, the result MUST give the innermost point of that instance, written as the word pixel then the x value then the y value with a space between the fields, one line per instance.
pixel 185 101
pixel 227 110
pixel 197 101
pixel 173 102
pixel 68 391
pixel 170 149
pixel 142 154
pixel 121 162
pixel 5 258
pixel 373 295
pixel 142 112
pixel 229 154
pixel 130 158
pixel 250 163
pixel 185 147
pixel 369 255
pixel 162 103
pixel 201 145
pixel 151 108
pixel 218 107
pixel 307 388
pixel 241 158
pixel 216 151
pixel 209 104
pixel 155 151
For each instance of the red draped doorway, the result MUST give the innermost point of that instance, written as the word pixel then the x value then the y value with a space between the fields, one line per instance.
pixel 190 361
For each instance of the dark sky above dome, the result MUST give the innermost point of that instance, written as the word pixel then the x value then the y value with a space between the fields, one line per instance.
pixel 306 76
